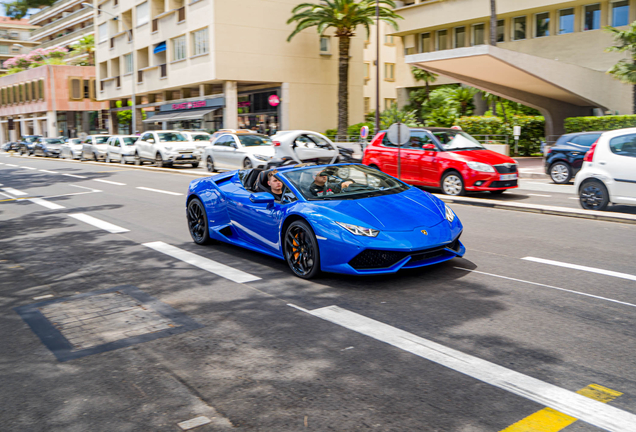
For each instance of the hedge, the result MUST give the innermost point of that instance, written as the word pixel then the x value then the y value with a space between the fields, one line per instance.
pixel 532 130
pixel 603 123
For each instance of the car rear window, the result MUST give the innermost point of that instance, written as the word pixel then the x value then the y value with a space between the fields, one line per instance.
pixel 586 140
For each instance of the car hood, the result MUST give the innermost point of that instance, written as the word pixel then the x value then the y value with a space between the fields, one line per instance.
pixel 485 156
pixel 267 150
pixel 180 145
pixel 398 212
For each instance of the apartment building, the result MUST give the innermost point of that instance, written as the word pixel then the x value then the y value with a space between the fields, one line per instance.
pixel 389 48
pixel 550 54
pixel 50 101
pixel 14 39
pixel 208 64
pixel 62 23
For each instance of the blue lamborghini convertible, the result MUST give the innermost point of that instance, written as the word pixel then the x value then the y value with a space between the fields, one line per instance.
pixel 344 218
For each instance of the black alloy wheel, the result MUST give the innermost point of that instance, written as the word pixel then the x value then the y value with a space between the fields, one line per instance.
pixel 195 164
pixel 560 172
pixel 198 222
pixel 593 195
pixel 301 250
pixel 209 164
pixel 247 164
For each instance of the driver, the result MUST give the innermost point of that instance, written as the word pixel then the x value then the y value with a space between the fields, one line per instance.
pixel 320 187
pixel 275 185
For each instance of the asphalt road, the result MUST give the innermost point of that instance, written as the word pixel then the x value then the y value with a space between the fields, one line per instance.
pixel 475 344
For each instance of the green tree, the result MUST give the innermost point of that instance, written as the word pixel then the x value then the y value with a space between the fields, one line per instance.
pixel 18 9
pixel 625 70
pixel 85 45
pixel 395 115
pixel 426 76
pixel 345 16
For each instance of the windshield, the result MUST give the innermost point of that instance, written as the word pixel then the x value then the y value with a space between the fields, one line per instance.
pixel 129 140
pixel 457 140
pixel 343 182
pixel 200 137
pixel 255 140
pixel 74 141
pixel 53 141
pixel 30 139
pixel 171 137
pixel 101 139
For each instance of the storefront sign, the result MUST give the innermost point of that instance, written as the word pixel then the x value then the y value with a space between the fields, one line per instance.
pixel 244 104
pixel 218 102
pixel 274 100
pixel 188 105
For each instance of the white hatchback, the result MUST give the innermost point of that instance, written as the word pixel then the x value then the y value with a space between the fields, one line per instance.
pixel 121 148
pixel 166 148
pixel 239 150
pixel 94 147
pixel 305 146
pixel 71 149
pixel 608 174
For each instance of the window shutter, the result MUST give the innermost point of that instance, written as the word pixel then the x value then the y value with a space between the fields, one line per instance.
pixel 75 89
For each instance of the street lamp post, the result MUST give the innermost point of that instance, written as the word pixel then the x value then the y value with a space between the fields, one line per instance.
pixel 134 71
pixel 377 66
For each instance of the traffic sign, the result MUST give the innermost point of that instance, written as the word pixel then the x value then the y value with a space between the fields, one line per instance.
pixel 364 132
pixel 399 134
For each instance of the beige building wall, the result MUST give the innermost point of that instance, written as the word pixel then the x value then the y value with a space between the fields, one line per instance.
pixel 12 34
pixel 391 48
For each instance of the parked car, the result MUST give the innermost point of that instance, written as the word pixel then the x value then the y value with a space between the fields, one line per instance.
pixel 71 149
pixel 201 139
pixel 47 147
pixel 10 146
pixel 608 174
pixel 25 144
pixel 301 146
pixel 166 148
pixel 94 147
pixel 444 158
pixel 121 148
pixel 564 159
pixel 239 150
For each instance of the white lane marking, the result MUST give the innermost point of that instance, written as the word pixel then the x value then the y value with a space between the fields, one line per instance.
pixel 44 203
pixel 583 268
pixel 541 195
pixel 30 168
pixel 548 286
pixel 13 191
pixel 43 297
pixel 193 423
pixel 12 165
pixel 157 190
pixel 50 172
pixel 1 163
pixel 203 263
pixel 7 195
pixel 107 226
pixel 76 176
pixel 84 187
pixel 110 182
pixel 573 198
pixel 545 394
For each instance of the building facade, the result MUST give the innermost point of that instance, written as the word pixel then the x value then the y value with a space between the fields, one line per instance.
pixel 14 39
pixel 62 24
pixel 550 55
pixel 390 46
pixel 208 64
pixel 51 101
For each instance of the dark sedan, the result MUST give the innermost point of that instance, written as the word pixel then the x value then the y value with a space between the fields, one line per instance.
pixel 26 143
pixel 48 147
pixel 565 158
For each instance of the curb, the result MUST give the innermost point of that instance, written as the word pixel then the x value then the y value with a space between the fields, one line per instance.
pixel 535 208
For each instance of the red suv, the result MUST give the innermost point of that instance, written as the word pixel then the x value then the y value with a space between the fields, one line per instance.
pixel 446 158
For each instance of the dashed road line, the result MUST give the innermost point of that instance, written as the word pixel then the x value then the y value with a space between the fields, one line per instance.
pixel 110 182
pixel 12 165
pixel 74 175
pixel 539 195
pixel 203 263
pixel 44 203
pixel 29 168
pixel 14 192
pixel 583 268
pixel 158 190
pixel 107 226
pixel 50 172
pixel 578 406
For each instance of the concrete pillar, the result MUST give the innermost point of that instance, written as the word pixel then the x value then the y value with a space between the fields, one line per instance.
pixel 37 127
pixel 230 113
pixel 51 124
pixel 85 125
pixel 113 125
pixel 285 99
pixel 139 126
pixel 20 128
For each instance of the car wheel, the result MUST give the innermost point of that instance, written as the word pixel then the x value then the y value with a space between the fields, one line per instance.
pixel 158 161
pixel 195 164
pixel 122 160
pixel 108 160
pixel 247 164
pixel 593 195
pixel 138 160
pixel 453 184
pixel 301 250
pixel 95 157
pixel 198 222
pixel 560 172
pixel 498 192
pixel 209 164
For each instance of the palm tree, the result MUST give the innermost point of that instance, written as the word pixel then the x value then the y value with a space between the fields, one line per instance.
pixel 492 100
pixel 461 98
pixel 625 70
pixel 426 76
pixel 344 16
pixel 493 23
pixel 86 45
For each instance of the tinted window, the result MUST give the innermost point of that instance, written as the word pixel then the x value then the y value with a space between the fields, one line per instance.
pixel 129 140
pixel 171 137
pixel 586 140
pixel 147 136
pixel 53 141
pixel 255 140
pixel 101 140
pixel 624 145
pixel 418 139
pixel 201 137
pixel 224 141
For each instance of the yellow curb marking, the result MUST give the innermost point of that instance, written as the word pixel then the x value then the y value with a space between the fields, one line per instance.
pixel 550 420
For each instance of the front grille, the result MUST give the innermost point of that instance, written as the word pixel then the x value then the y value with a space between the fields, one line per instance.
pixel 501 184
pixel 503 169
pixel 185 152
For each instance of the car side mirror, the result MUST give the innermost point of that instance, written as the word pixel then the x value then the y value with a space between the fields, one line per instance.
pixel 429 147
pixel 262 198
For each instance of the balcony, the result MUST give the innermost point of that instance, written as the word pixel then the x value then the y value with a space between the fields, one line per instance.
pixel 180 17
pixel 44 13
pixel 42 31
pixel 64 40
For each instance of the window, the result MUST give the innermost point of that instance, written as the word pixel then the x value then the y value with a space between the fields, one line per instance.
pixel 20 94
pixel 388 103
pixel 624 145
pixel 442 40
pixel 566 21
pixel 75 89
pixel 34 91
pixel 4 49
pixel 179 49
pixel 367 105
pixel 389 71
pixel 592 17
pixel 128 63
pixel 86 89
pixel 367 71
pixel 142 14
pixel 460 37
pixel 41 89
pixel 102 31
pixel 620 13
pixel 501 30
pixel 27 92
pixel 479 34
pixel 200 42
pixel 388 40
pixel 426 43
pixel 325 45
pixel 542 24
pixel 3 98
pixel 519 28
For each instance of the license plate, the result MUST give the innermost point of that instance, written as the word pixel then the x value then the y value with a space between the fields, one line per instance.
pixel 508 177
pixel 186 156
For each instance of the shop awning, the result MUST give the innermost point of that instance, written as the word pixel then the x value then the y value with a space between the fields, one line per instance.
pixel 159 118
pixel 191 115
pixel 160 47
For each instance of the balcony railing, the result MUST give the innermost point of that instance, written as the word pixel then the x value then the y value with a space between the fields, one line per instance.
pixel 77 34
pixel 47 27
pixel 44 12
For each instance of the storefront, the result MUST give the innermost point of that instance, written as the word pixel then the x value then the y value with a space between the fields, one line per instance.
pixel 259 111
pixel 205 114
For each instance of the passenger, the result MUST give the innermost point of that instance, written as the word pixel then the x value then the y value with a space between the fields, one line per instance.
pixel 320 187
pixel 275 185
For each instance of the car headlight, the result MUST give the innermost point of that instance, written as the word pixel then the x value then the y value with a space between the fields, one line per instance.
pixel 358 230
pixel 262 157
pixel 482 167
pixel 450 214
